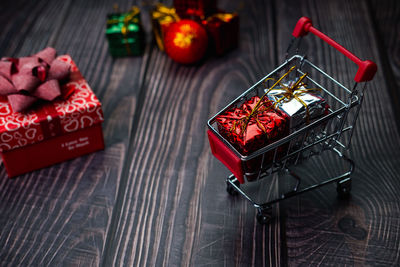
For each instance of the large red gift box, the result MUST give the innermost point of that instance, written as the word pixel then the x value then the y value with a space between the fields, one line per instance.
pixel 52 132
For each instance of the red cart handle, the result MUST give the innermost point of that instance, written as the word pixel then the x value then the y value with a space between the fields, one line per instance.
pixel 366 69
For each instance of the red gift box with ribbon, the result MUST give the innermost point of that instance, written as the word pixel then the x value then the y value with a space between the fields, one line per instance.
pixel 64 124
pixel 223 30
pixel 251 126
pixel 200 8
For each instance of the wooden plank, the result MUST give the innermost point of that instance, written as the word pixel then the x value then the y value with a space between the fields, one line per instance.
pixel 16 25
pixel 321 230
pixel 175 210
pixel 156 195
pixel 385 16
pixel 60 215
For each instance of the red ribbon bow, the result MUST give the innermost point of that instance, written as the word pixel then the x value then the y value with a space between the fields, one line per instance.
pixel 27 79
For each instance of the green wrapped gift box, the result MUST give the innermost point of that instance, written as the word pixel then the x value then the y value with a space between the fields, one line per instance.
pixel 125 34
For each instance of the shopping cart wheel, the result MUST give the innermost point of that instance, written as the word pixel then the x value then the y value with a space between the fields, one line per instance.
pixel 264 215
pixel 343 188
pixel 230 189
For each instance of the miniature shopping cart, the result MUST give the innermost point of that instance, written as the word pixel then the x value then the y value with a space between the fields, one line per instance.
pixel 331 131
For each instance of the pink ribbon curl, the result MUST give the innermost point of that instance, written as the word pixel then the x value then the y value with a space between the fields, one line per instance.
pixel 25 80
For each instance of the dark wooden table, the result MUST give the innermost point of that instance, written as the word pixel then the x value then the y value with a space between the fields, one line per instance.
pixel 156 195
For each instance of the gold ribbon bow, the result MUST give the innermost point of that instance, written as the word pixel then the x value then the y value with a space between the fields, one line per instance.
pixel 225 17
pixel 242 120
pixel 254 114
pixel 162 15
pixel 295 90
pixel 255 110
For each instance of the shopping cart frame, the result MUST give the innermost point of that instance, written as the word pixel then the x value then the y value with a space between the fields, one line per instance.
pixel 320 135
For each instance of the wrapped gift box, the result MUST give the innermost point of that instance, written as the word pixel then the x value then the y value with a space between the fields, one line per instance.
pixel 223 32
pixel 197 8
pixel 125 34
pixel 222 28
pixel 305 108
pixel 52 132
pixel 162 18
pixel 248 135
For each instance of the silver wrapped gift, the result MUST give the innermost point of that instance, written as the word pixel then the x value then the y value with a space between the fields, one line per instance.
pixel 295 109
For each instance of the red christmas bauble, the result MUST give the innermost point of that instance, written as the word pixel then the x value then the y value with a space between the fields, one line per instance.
pixel 186 41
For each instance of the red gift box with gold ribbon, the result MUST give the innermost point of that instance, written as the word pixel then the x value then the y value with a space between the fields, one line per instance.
pixel 251 126
pixel 223 30
pixel 50 132
pixel 200 8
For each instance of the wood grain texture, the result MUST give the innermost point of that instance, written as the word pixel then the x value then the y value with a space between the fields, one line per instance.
pixel 175 210
pixel 385 15
pixel 60 215
pixel 156 196
pixel 364 230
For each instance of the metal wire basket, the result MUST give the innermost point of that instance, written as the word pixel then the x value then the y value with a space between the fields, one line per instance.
pixel 331 131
